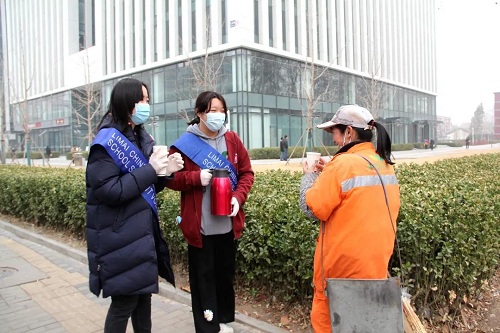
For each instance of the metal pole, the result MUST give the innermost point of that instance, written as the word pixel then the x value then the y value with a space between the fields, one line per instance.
pixel 3 109
pixel 2 138
pixel 28 151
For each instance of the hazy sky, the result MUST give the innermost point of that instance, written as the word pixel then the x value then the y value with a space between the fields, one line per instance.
pixel 468 56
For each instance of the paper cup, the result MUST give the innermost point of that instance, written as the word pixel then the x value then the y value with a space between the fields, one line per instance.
pixel 312 159
pixel 164 151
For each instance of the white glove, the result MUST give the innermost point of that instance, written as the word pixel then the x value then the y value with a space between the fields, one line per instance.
pixel 205 176
pixel 175 163
pixel 236 206
pixel 159 160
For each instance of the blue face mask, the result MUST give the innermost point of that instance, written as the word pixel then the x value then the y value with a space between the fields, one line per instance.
pixel 141 115
pixel 215 121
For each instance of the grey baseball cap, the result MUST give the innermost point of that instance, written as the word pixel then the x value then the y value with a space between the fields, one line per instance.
pixel 350 115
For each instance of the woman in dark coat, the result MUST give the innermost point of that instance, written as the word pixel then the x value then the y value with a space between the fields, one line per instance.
pixel 126 248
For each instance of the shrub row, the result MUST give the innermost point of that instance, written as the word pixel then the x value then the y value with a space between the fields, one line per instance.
pixel 448 227
pixel 297 152
pixel 35 155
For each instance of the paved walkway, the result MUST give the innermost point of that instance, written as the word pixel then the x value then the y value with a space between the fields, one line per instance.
pixel 414 154
pixel 44 288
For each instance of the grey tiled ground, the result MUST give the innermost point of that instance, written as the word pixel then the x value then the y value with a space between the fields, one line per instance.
pixel 59 299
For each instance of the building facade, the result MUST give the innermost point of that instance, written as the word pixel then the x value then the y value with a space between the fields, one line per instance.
pixel 443 127
pixel 282 65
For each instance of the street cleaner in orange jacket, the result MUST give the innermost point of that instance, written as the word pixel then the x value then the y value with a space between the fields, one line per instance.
pixel 347 195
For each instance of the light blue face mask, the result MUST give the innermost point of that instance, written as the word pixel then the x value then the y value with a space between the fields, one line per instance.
pixel 141 115
pixel 215 121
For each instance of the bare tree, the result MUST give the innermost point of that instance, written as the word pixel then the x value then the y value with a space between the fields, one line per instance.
pixel 316 88
pixel 19 91
pixel 371 92
pixel 88 100
pixel 207 70
pixel 315 84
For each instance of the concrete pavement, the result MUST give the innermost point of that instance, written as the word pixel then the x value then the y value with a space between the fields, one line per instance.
pixel 44 288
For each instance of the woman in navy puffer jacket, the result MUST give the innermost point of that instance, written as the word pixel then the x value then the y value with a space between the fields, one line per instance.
pixel 126 248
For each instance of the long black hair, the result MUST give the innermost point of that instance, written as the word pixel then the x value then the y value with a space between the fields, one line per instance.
pixel 383 146
pixel 203 104
pixel 125 94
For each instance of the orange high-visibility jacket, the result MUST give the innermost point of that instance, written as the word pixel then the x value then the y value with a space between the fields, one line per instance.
pixel 358 235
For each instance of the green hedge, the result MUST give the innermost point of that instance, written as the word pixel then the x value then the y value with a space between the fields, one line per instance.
pixel 293 152
pixel 448 227
pixel 35 155
pixel 296 152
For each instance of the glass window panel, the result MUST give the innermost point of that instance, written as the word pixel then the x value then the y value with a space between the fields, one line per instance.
pixel 170 84
pixel 266 128
pixel 241 128
pixel 171 107
pixel 344 88
pixel 234 121
pixel 158 88
pixel 269 101
pixel 158 109
pixel 227 82
pixel 282 124
pixel 295 132
pixel 155 127
pixel 296 104
pixel 256 78
pixel 255 128
pixel 270 76
pixel 283 102
pixel 254 99
pixel 230 100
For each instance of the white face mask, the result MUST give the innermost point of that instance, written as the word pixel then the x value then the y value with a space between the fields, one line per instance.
pixel 141 115
pixel 215 120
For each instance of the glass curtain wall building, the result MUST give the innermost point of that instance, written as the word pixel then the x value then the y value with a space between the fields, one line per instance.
pixel 282 65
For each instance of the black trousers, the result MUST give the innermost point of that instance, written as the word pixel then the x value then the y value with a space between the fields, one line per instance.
pixel 211 278
pixel 123 307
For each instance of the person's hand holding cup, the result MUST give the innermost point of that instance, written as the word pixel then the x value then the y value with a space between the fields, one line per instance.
pixel 312 159
pixel 160 155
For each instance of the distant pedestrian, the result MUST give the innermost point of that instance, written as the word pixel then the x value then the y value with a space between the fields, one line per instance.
pixel 74 150
pixel 432 144
pixel 48 153
pixel 467 142
pixel 281 149
pixel 13 154
pixel 285 148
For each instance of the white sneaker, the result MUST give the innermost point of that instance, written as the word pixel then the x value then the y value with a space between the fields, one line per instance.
pixel 224 328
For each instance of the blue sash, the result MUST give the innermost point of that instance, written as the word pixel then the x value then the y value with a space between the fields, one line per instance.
pixel 205 156
pixel 127 156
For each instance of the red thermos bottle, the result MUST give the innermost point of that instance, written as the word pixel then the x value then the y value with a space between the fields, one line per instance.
pixel 220 192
